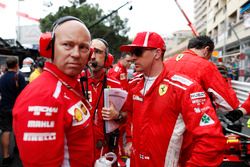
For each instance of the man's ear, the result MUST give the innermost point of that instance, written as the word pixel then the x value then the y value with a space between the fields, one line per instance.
pixel 207 48
pixel 157 54
pixel 206 52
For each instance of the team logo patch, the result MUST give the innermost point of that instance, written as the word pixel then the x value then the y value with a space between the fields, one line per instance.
pixel 80 113
pixel 122 76
pixel 137 98
pixel 179 57
pixel 163 89
pixel 197 95
pixel 206 120
pixel 90 96
pixel 85 112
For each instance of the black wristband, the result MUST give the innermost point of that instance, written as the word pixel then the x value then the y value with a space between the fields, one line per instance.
pixel 119 118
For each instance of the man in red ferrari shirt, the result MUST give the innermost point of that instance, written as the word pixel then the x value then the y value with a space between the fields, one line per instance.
pixel 194 63
pixel 164 107
pixel 98 79
pixel 51 118
pixel 119 71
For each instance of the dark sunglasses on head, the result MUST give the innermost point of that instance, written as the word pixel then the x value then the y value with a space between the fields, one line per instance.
pixel 139 51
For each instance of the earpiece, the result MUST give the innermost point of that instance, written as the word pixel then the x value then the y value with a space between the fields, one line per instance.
pixel 46 47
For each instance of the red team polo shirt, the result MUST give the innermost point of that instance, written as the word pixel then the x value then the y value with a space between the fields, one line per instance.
pixel 52 124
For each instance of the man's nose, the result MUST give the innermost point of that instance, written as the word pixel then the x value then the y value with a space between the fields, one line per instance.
pixel 93 56
pixel 76 51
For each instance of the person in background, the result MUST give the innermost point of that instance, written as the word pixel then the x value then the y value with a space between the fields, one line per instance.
pixel 98 80
pixel 52 122
pixel 119 71
pixel 164 107
pixel 3 69
pixel 222 68
pixel 26 69
pixel 38 70
pixel 11 84
pixel 194 62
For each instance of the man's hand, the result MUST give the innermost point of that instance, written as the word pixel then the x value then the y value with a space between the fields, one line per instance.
pixel 109 113
pixel 234 115
pixel 128 149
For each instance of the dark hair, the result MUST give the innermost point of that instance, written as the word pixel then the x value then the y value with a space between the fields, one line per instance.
pixel 40 62
pixel 11 62
pixel 201 42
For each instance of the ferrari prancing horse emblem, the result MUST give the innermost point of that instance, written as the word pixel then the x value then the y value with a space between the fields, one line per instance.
pixel 179 57
pixel 163 89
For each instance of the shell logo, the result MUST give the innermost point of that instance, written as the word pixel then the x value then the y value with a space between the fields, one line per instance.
pixel 78 115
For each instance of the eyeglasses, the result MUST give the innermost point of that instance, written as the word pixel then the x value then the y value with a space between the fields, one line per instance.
pixel 139 51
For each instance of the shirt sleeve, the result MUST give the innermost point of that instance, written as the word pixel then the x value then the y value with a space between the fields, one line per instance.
pixel 222 94
pixel 208 142
pixel 39 130
pixel 246 105
pixel 21 82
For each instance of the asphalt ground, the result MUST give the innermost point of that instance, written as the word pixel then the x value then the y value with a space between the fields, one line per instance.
pixel 16 162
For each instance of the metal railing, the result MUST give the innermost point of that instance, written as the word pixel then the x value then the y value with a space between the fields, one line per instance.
pixel 242 89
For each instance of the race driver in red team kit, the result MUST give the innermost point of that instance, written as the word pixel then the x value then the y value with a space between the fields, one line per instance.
pixel 164 107
pixel 52 121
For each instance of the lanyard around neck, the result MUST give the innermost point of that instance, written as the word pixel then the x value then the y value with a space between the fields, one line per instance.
pixel 68 86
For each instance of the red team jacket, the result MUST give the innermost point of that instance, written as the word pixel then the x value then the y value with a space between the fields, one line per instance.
pixel 208 76
pixel 174 105
pixel 246 105
pixel 52 124
pixel 94 91
pixel 120 73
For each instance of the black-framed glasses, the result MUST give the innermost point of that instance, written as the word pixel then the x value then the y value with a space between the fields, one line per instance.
pixel 139 51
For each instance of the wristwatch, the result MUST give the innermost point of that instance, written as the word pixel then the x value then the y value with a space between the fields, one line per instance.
pixel 119 118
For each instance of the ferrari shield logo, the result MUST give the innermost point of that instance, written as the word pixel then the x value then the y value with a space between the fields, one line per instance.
pixel 163 89
pixel 122 76
pixel 179 57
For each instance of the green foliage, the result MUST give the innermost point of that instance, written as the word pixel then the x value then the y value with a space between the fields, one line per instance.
pixel 113 29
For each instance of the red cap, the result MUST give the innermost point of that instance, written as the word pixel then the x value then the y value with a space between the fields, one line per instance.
pixel 145 40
